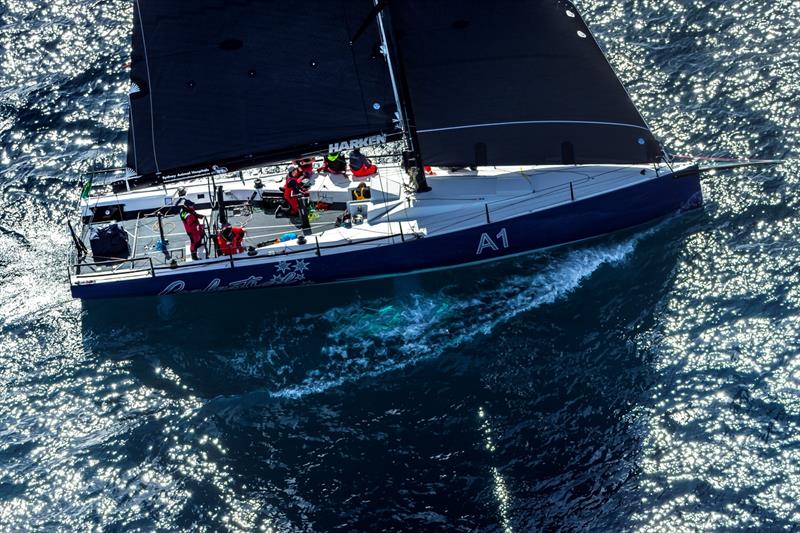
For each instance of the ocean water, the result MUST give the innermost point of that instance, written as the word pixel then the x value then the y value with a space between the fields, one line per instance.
pixel 649 381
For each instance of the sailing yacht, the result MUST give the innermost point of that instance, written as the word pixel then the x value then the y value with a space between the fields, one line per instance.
pixel 514 135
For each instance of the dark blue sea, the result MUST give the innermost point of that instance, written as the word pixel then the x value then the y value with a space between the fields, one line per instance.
pixel 648 381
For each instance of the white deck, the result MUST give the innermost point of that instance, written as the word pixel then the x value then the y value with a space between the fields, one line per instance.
pixel 459 200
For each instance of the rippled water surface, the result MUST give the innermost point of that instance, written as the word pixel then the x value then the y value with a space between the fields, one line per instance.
pixel 647 381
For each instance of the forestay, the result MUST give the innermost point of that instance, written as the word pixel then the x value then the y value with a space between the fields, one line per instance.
pixel 509 82
pixel 235 83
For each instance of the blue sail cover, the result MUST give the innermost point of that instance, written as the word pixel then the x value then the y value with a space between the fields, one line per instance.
pixel 239 82
pixel 508 82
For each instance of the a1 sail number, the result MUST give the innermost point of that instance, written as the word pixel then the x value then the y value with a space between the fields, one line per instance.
pixel 492 244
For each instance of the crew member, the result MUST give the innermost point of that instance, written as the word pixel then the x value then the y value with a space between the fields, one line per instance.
pixel 334 163
pixel 306 165
pixel 293 190
pixel 230 240
pixel 194 228
pixel 360 165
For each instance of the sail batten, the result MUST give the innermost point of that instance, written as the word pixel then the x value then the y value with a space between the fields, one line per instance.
pixel 232 83
pixel 534 122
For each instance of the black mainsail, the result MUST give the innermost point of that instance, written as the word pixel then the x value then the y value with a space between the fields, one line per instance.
pixel 238 82
pixel 508 82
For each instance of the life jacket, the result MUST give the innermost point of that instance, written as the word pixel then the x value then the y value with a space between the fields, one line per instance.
pixel 334 163
pixel 233 246
pixel 361 192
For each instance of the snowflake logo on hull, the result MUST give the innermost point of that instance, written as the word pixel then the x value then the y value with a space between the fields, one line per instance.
pixel 287 272
pixel 300 266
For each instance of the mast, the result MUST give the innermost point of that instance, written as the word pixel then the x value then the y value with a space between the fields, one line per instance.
pixel 404 108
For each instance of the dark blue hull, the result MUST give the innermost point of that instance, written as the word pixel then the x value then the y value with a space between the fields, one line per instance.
pixel 582 219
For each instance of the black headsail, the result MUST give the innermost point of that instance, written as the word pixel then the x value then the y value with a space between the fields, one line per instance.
pixel 508 82
pixel 238 82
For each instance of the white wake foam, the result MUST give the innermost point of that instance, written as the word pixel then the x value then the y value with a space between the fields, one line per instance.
pixel 369 340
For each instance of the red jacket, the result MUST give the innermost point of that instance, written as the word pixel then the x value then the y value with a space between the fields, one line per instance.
pixel 366 170
pixel 234 246
pixel 361 165
pixel 191 222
